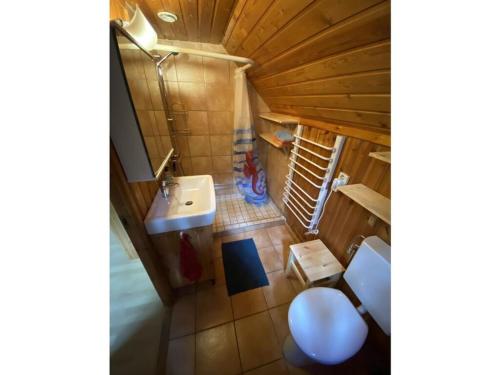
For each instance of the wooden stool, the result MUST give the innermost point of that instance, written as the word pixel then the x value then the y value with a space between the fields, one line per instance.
pixel 316 264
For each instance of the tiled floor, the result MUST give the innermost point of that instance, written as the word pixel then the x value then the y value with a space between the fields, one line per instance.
pixel 212 333
pixel 233 213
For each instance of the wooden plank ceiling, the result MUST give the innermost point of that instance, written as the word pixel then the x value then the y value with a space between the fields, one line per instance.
pixel 322 59
pixel 198 20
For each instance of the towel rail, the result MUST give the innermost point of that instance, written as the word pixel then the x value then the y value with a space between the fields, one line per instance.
pixel 300 205
pixel 304 177
pixel 314 143
pixel 311 152
pixel 308 170
pixel 302 190
pixel 289 189
pixel 294 214
pixel 309 161
pixel 294 196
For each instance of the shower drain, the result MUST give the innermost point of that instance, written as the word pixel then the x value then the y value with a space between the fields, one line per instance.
pixel 188 203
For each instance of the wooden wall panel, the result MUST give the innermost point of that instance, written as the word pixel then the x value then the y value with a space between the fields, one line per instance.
pixel 322 59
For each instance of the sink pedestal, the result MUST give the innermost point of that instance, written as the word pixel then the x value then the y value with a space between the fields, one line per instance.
pixel 168 247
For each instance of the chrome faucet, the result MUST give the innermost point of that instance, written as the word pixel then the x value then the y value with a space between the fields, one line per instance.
pixel 166 183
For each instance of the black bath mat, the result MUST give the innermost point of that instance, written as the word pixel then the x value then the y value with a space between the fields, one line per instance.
pixel 242 266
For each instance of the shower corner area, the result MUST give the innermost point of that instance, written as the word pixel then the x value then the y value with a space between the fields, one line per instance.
pixel 244 201
pixel 192 105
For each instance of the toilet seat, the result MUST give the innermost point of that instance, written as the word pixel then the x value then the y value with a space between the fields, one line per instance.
pixel 326 326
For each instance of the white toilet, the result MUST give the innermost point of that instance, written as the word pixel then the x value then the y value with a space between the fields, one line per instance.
pixel 325 326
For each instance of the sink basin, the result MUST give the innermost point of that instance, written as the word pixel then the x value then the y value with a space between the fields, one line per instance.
pixel 190 204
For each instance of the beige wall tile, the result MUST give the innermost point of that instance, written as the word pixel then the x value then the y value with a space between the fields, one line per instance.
pixel 217 351
pixel 140 94
pixel 180 122
pixel 181 356
pixel 198 145
pixel 257 341
pixel 197 122
pixel 222 164
pixel 147 122
pixel 154 92
pixel 182 145
pixel 152 147
pixel 201 165
pixel 174 96
pixel 220 122
pixel 189 68
pixel 215 70
pixel 161 123
pixel 222 144
pixel 149 67
pixel 219 97
pixel 132 64
pixel 169 70
pixel 166 145
pixel 186 165
pixel 193 96
pixel 223 178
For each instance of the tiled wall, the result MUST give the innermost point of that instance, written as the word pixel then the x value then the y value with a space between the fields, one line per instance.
pixel 201 93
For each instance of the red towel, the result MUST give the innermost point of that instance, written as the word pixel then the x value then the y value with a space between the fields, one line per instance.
pixel 190 267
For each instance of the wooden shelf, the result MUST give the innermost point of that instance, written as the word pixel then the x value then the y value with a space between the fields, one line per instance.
pixel 279 118
pixel 270 138
pixel 385 156
pixel 374 202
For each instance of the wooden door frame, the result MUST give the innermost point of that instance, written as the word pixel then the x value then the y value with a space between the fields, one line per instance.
pixel 127 209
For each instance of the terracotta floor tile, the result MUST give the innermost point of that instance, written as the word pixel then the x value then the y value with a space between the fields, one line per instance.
pixel 279 290
pixel 282 251
pixel 232 237
pixel 257 341
pixel 270 259
pixel 249 302
pixel 213 306
pixel 220 276
pixel 217 247
pixel 280 235
pixel 260 237
pixel 275 368
pixel 183 316
pixel 217 351
pixel 181 357
pixel 279 316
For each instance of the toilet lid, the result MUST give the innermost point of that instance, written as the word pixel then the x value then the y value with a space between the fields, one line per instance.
pixel 326 326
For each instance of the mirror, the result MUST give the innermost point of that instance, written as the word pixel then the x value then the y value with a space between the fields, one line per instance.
pixel 139 129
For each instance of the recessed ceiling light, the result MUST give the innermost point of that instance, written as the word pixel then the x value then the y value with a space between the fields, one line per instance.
pixel 167 17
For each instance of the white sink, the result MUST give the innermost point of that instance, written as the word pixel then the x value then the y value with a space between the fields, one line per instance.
pixel 177 212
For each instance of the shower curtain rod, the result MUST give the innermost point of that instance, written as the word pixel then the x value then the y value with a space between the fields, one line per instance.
pixel 168 48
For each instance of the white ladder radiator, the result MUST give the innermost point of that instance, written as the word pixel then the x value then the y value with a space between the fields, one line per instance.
pixel 306 208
